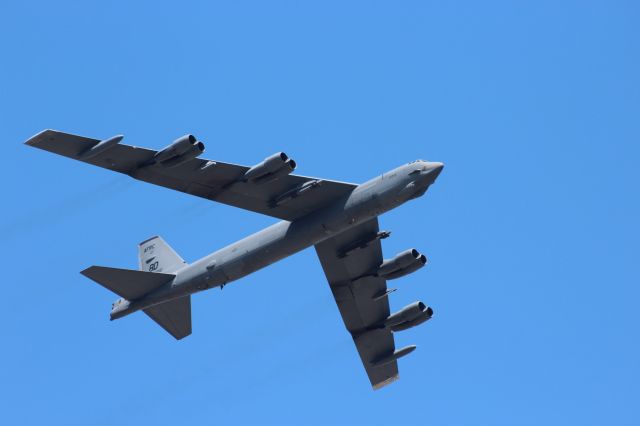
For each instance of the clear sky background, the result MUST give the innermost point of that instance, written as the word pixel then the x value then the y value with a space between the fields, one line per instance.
pixel 531 231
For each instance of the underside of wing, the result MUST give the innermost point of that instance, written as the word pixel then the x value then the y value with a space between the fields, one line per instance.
pixel 348 260
pixel 266 188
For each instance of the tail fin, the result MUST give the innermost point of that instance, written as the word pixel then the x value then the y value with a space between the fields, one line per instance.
pixel 155 255
pixel 158 264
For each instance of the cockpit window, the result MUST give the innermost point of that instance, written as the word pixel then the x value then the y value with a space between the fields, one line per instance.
pixel 419 169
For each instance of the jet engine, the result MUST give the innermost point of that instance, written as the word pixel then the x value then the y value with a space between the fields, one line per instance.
pixel 182 149
pixel 271 168
pixel 404 263
pixel 409 316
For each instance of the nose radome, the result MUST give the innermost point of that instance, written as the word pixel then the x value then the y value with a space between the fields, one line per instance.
pixel 433 169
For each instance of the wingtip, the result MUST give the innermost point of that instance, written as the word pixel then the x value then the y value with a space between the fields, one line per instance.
pixel 386 382
pixel 180 337
pixel 33 140
pixel 87 271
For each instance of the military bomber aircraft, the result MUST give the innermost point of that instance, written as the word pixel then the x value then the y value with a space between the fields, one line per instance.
pixel 339 219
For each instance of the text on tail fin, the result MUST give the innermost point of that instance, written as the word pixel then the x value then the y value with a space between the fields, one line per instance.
pixel 155 255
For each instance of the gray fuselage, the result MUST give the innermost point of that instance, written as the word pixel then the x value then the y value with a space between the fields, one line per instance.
pixel 284 238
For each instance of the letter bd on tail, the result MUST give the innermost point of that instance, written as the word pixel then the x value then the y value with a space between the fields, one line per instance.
pixel 339 219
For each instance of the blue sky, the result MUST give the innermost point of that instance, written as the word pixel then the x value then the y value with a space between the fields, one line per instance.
pixel 531 230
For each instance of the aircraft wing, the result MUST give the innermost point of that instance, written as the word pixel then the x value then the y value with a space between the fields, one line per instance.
pixel 362 301
pixel 213 180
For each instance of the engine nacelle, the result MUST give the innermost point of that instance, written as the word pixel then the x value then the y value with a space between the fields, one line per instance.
pixel 271 168
pixel 185 145
pixel 394 356
pixel 409 316
pixel 193 152
pixel 101 147
pixel 404 263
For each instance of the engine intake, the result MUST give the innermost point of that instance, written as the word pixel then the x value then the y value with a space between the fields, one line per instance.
pixel 404 263
pixel 182 149
pixel 271 168
pixel 409 316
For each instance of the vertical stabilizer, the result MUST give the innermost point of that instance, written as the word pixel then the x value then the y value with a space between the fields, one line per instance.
pixel 155 255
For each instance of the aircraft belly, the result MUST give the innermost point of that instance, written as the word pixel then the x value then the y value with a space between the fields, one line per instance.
pixel 235 269
pixel 284 239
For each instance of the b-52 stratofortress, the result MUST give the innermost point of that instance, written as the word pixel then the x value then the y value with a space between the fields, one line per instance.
pixel 339 219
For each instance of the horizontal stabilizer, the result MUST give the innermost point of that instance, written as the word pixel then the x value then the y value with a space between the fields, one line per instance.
pixel 174 316
pixel 125 282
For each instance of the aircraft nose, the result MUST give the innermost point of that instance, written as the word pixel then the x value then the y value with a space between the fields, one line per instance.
pixel 433 169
